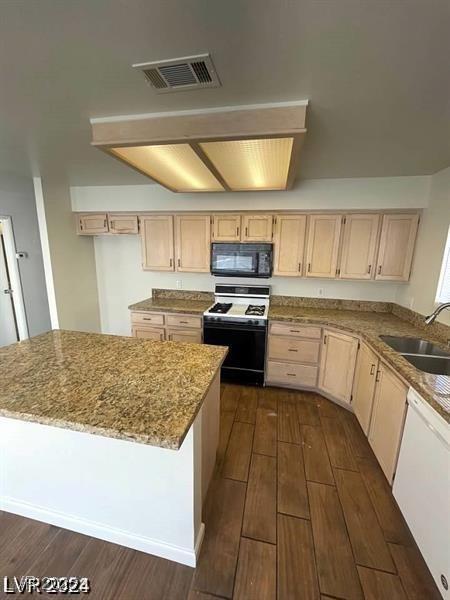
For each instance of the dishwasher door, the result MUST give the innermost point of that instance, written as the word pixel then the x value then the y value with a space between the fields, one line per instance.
pixel 422 486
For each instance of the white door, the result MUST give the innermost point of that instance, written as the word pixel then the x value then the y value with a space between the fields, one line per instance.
pixel 8 329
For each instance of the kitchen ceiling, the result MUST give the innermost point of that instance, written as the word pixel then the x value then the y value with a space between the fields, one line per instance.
pixel 375 72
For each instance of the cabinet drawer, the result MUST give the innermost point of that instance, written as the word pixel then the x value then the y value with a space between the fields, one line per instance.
pixel 295 330
pixel 192 336
pixel 293 349
pixel 147 318
pixel 183 321
pixel 291 374
pixel 147 333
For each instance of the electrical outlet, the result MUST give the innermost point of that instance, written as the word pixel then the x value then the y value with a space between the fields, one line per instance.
pixel 179 284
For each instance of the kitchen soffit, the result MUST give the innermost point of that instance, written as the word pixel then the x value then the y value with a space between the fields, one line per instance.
pixel 239 149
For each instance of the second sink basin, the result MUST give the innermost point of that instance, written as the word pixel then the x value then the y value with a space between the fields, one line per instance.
pixel 430 364
pixel 408 345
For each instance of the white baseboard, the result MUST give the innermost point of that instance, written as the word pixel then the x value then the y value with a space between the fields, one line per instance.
pixel 178 554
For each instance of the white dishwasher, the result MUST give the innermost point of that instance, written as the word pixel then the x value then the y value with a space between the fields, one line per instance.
pixel 422 486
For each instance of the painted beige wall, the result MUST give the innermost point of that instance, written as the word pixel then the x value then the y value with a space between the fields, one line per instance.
pixel 420 293
pixel 72 261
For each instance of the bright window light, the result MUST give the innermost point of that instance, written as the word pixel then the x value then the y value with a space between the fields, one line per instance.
pixel 443 290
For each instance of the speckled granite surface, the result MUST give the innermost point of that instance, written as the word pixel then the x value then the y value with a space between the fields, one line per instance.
pixel 175 305
pixel 120 387
pixel 435 389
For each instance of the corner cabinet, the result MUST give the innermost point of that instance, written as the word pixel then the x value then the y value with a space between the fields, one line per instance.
pixel 364 386
pixel 398 236
pixel 337 365
pixel 192 243
pixel 157 243
pixel 289 245
pixel 322 247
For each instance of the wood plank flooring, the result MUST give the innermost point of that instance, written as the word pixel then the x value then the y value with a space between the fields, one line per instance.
pixel 298 509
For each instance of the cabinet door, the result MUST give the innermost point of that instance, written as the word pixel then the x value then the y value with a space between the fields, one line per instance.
pixel 157 243
pixel 193 238
pixel 359 244
pixel 257 228
pixel 289 245
pixel 193 336
pixel 147 333
pixel 398 236
pixel 226 228
pixel 123 224
pixel 364 386
pixel 323 245
pixel 388 416
pixel 91 224
pixel 337 365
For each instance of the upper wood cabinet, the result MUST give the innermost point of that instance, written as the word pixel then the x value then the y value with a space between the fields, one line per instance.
pixel 257 228
pixel 359 243
pixel 192 242
pixel 364 386
pixel 226 228
pixel 92 223
pixel 289 245
pixel 322 247
pixel 123 224
pixel 157 243
pixel 388 416
pixel 337 365
pixel 398 235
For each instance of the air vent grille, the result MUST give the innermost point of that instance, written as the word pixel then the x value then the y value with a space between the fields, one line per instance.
pixel 189 72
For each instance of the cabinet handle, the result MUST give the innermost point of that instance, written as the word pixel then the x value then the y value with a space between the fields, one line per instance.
pixel 377 378
pixel 372 369
pixel 170 262
pixel 246 231
pixel 237 232
pixel 294 331
pixel 291 374
pixel 170 337
pixel 179 262
pixel 81 225
pixel 184 322
pixel 292 350
pixel 299 266
pixel 369 268
pixel 147 319
pixel 324 339
pixel 309 267
pixel 105 223
pixel 379 270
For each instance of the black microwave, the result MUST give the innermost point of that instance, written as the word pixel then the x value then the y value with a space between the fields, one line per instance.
pixel 241 260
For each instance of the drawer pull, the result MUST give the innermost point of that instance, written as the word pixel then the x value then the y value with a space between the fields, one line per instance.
pixel 292 350
pixel 184 322
pixel 372 369
pixel 377 378
pixel 291 374
pixel 294 330
pixel 147 318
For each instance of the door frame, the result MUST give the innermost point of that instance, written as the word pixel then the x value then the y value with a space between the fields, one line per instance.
pixel 14 276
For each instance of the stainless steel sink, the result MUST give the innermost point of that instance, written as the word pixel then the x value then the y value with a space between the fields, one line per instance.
pixel 430 364
pixel 408 345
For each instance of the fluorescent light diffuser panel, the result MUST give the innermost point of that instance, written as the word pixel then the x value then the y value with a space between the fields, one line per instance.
pixel 261 164
pixel 176 166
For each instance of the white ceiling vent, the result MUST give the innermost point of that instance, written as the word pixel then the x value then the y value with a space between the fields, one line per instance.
pixel 186 73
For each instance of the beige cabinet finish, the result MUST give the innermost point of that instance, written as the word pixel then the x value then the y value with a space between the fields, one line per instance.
pixel 359 243
pixel 192 242
pixel 192 336
pixel 364 386
pixel 226 228
pixel 147 318
pixel 388 416
pixel 289 245
pixel 291 374
pixel 147 333
pixel 91 224
pixel 337 366
pixel 293 349
pixel 257 228
pixel 157 243
pixel 303 331
pixel 322 247
pixel 123 224
pixel 183 321
pixel 398 236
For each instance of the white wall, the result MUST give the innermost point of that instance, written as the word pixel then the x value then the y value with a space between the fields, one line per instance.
pixel 420 293
pixel 121 280
pixel 72 262
pixel 17 202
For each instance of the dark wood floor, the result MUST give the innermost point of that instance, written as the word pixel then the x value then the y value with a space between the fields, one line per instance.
pixel 298 509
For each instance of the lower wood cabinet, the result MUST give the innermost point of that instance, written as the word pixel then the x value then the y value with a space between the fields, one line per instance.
pixel 172 327
pixel 364 386
pixel 388 417
pixel 192 336
pixel 337 365
pixel 291 374
pixel 146 332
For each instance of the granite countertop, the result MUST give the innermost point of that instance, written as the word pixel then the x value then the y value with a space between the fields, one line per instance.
pixel 175 305
pixel 126 388
pixel 435 389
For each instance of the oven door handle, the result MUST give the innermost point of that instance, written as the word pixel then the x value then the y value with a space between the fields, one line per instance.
pixel 234 327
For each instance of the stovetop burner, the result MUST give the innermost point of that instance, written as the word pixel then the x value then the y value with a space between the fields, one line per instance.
pixel 220 307
pixel 255 310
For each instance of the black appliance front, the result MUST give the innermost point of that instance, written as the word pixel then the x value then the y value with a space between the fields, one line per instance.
pixel 247 345
pixel 241 260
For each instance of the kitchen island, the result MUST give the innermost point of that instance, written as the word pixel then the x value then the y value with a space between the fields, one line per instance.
pixel 111 436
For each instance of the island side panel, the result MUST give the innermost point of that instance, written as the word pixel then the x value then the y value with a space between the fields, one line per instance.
pixel 135 495
pixel 210 417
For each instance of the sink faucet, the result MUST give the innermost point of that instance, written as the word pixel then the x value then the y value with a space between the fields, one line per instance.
pixel 430 319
